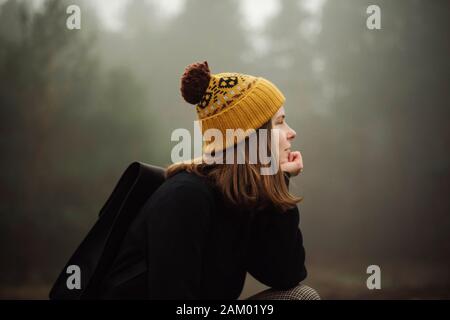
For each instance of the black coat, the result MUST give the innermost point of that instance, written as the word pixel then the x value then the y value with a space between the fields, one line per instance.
pixel 188 243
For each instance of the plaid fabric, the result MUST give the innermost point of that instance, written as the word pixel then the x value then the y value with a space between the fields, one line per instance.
pixel 300 292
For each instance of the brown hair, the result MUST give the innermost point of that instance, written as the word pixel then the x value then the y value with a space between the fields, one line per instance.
pixel 243 184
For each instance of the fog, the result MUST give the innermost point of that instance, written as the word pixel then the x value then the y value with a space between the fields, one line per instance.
pixel 370 108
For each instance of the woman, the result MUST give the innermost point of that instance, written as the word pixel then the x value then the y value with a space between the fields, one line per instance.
pixel 211 223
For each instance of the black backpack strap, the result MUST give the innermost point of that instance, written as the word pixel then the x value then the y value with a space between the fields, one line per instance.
pixel 101 244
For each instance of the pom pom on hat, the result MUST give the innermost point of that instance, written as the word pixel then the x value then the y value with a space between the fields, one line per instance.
pixel 195 81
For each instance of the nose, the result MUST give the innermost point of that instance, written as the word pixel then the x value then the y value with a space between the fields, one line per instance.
pixel 292 134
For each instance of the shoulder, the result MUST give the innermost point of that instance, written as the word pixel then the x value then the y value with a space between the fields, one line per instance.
pixel 185 188
pixel 187 181
pixel 183 200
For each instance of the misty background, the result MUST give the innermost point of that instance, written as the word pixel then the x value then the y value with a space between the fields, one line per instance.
pixel 370 108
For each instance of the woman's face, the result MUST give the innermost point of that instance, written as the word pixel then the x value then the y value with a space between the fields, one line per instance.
pixel 286 134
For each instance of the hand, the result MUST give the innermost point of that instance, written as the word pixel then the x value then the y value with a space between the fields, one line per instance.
pixel 294 165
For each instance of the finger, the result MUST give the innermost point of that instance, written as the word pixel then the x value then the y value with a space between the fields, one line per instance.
pixel 299 158
pixel 295 155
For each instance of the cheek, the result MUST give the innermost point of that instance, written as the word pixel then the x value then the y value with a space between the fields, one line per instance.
pixel 284 156
pixel 282 145
pixel 283 142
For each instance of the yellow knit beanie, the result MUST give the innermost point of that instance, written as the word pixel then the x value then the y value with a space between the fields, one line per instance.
pixel 229 101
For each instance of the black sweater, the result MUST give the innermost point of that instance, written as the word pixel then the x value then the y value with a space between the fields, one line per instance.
pixel 189 243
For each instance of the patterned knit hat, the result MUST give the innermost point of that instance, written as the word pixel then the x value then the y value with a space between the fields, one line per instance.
pixel 229 101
